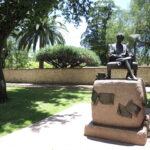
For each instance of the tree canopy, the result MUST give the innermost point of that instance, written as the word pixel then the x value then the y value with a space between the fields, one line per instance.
pixel 135 24
pixel 94 37
pixel 46 30
pixel 100 31
pixel 14 12
pixel 140 10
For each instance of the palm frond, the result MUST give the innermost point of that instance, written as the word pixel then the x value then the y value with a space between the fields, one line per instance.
pixel 48 31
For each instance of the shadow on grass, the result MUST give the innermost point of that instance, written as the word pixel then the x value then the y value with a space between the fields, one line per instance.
pixel 29 105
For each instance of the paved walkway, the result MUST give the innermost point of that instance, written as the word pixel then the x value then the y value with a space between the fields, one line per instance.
pixel 63 131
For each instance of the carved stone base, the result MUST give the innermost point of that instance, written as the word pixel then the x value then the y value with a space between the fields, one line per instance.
pixel 128 135
pixel 119 102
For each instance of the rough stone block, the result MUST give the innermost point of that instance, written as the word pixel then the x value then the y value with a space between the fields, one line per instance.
pixel 119 102
pixel 128 135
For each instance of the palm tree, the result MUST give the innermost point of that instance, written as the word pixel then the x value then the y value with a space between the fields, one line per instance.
pixel 45 32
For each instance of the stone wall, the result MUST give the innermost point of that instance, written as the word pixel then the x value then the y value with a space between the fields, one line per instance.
pixel 67 76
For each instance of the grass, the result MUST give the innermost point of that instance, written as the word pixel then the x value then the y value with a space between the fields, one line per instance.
pixel 29 105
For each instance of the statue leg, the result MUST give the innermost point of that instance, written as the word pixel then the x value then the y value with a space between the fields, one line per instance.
pixel 129 70
pixel 128 75
pixel 108 73
pixel 135 71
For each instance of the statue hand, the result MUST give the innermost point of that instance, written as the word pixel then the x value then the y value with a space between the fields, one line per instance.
pixel 124 55
pixel 113 55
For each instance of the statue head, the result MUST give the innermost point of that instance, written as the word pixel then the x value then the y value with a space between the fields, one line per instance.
pixel 120 37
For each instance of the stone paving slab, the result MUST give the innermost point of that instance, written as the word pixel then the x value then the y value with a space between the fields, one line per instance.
pixel 63 131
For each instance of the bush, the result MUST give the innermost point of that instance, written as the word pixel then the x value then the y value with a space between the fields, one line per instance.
pixel 17 59
pixel 68 57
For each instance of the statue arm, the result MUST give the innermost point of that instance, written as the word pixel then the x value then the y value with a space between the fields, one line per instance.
pixel 126 51
pixel 111 51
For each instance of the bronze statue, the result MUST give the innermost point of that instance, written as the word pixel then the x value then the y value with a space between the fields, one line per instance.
pixel 119 52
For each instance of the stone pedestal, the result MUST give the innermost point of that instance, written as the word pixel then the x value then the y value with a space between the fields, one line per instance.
pixel 118 111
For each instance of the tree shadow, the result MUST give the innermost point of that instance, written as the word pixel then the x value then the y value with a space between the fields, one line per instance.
pixel 52 120
pixel 22 108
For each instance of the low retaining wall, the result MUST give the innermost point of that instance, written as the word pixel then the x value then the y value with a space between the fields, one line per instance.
pixel 67 76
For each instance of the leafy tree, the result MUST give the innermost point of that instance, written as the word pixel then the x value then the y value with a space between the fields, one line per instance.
pixel 44 30
pixel 14 12
pixel 94 37
pixel 132 23
pixel 140 10
pixel 73 10
pixel 68 57
pixel 15 58
pixel 120 22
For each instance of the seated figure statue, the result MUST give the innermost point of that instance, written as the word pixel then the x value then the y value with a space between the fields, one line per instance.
pixel 119 52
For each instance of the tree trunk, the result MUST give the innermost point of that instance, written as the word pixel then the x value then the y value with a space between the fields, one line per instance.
pixel 6 26
pixel 41 45
pixel 3 94
pixel 135 51
pixel 41 64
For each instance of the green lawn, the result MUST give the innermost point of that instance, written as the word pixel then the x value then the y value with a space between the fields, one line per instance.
pixel 29 105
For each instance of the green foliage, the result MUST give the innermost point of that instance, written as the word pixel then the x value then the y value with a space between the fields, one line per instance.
pixel 68 57
pixel 14 13
pixel 73 10
pixel 94 37
pixel 15 58
pixel 33 64
pixel 140 10
pixel 133 21
pixel 120 22
pixel 44 30
pixel 19 58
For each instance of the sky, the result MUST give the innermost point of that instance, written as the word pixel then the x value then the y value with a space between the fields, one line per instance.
pixel 72 37
pixel 123 4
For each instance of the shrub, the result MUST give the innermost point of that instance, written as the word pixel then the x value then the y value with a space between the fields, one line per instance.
pixel 17 59
pixel 68 57
pixel 34 64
